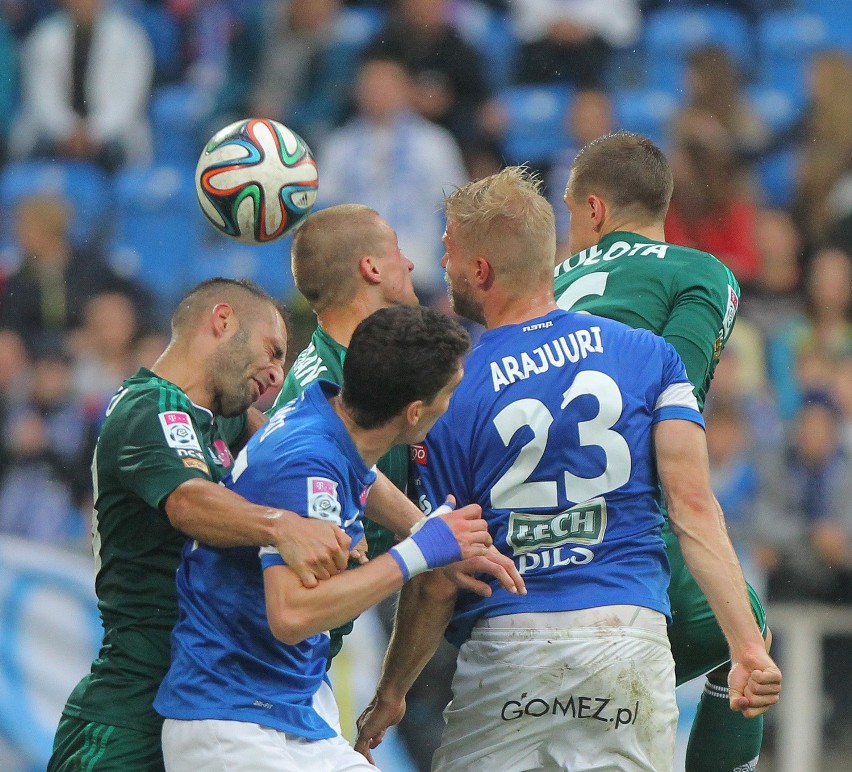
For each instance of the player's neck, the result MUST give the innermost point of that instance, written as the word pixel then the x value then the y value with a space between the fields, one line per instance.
pixel 179 368
pixel 371 444
pixel 516 310
pixel 339 323
pixel 652 232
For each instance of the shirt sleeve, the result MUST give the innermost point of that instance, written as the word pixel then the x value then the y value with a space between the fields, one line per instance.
pixel 435 471
pixel 676 399
pixel 157 451
pixel 699 325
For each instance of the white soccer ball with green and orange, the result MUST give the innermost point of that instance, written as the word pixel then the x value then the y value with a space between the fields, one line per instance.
pixel 256 180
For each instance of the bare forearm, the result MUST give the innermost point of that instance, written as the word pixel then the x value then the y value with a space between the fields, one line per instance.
pixel 710 557
pixel 295 613
pixel 219 517
pixel 389 506
pixel 424 611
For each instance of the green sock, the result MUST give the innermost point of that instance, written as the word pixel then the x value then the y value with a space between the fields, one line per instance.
pixel 722 740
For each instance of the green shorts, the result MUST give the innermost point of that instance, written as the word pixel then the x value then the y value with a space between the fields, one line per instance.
pixel 87 746
pixel 698 645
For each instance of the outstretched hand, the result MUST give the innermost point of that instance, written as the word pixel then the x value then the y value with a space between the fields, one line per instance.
pixel 377 718
pixel 754 684
pixel 469 530
pixel 493 562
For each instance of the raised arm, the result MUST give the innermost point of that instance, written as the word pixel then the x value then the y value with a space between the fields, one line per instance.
pixel 697 520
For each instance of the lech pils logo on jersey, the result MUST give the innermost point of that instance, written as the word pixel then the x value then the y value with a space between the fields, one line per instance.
pixel 179 431
pixel 322 499
pixel 582 524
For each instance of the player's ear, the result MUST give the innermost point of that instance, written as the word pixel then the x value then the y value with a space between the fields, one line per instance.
pixel 222 319
pixel 368 268
pixel 413 412
pixel 483 271
pixel 598 211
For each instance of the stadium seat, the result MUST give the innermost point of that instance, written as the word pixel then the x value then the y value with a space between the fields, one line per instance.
pixel 536 118
pixel 86 186
pixel 164 33
pixel 177 113
pixel 490 32
pixel 786 42
pixel 671 33
pixel 776 175
pixel 646 111
pixel 268 265
pixel 778 109
pixel 158 227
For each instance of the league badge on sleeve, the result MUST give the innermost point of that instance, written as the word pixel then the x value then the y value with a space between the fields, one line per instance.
pixel 323 502
pixel 179 431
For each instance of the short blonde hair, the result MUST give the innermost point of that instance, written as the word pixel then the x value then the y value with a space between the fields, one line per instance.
pixel 506 218
pixel 326 251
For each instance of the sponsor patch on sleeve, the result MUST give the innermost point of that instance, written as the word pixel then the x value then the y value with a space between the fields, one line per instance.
pixel 730 311
pixel 194 463
pixel 418 453
pixel 323 502
pixel 179 431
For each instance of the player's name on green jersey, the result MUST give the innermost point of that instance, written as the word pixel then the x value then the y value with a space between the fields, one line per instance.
pixel 596 254
pixel 308 366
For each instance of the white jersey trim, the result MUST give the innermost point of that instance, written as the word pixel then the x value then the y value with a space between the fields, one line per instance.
pixel 677 395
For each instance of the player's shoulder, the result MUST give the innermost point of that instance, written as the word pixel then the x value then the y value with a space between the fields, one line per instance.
pixel 146 393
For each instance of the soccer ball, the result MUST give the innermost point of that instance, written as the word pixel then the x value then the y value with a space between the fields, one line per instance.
pixel 256 180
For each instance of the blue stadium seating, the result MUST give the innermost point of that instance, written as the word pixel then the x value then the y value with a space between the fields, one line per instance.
pixel 776 175
pixel 268 265
pixel 786 42
pixel 86 186
pixel 177 112
pixel 777 108
pixel 671 33
pixel 490 32
pixel 157 229
pixel 647 111
pixel 536 117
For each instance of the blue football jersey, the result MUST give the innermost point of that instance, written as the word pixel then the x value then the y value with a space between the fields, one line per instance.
pixel 226 664
pixel 550 432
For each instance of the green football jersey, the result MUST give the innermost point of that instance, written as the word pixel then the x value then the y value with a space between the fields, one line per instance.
pixel 152 440
pixel 323 358
pixel 686 296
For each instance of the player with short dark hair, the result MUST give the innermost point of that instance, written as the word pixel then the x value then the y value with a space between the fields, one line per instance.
pixel 165 443
pixel 559 430
pixel 622 268
pixel 259 697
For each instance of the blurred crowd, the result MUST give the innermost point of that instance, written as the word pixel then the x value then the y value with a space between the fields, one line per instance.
pixel 400 101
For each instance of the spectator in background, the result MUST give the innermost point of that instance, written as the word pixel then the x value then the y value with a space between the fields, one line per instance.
pixel 589 117
pixel 710 208
pixel 821 137
pixel 300 80
pixel 86 74
pixel 394 161
pixel 803 352
pixel 45 483
pixel 714 85
pixel 45 296
pixel 734 476
pixel 774 298
pixel 805 522
pixel 448 80
pixel 14 376
pixel 571 40
pixel 104 352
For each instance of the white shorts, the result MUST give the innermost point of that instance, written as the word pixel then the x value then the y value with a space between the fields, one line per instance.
pixel 211 745
pixel 580 690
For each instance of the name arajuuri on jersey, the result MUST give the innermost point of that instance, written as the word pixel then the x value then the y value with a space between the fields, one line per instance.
pixel 595 254
pixel 558 352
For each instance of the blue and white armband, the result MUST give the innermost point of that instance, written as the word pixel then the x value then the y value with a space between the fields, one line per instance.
pixel 431 545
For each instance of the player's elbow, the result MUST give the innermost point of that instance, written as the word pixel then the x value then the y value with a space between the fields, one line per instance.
pixel 289 626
